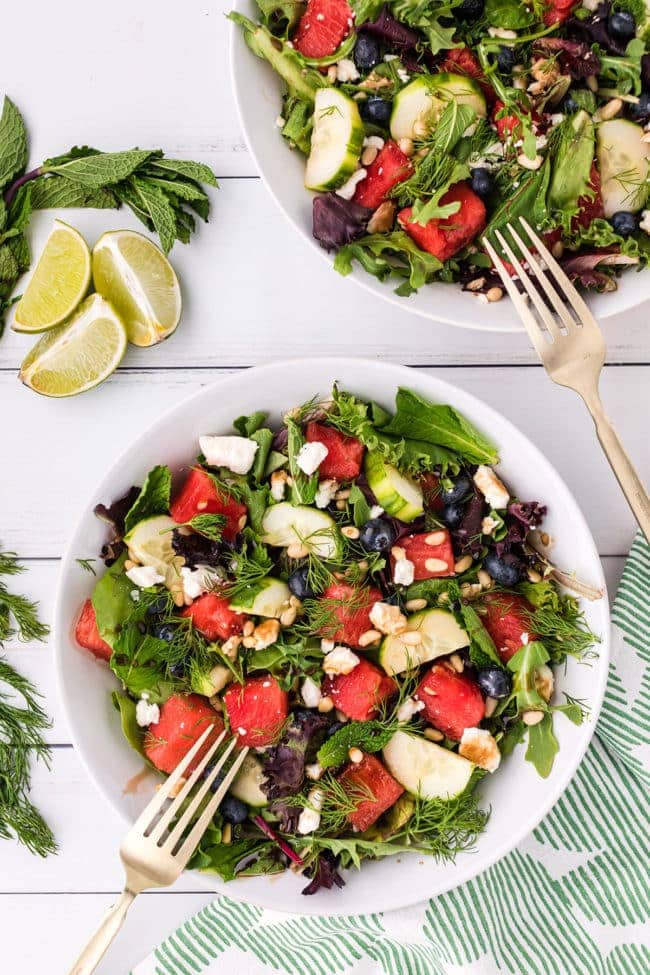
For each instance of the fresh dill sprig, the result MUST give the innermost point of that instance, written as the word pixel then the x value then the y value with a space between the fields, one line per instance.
pixel 249 566
pixel 444 827
pixel 209 525
pixel 564 630
pixel 323 616
pixel 86 565
pixel 23 723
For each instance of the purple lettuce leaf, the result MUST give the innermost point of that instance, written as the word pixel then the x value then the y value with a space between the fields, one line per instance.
pixel 337 221
pixel 196 549
pixel 468 534
pixel 583 269
pixel 399 37
pixel 284 764
pixel 325 874
pixel 595 29
pixel 521 517
pixel 114 515
pixel 575 58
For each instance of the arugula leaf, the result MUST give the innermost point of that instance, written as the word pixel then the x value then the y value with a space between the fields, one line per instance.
pixel 426 210
pixel 528 198
pixel 572 162
pixel 247 857
pixel 13 143
pixel 301 81
pixel 425 16
pixel 523 665
pixel 154 497
pixel 511 14
pixel 303 489
pixel 542 746
pixel 439 424
pixel 482 650
pixel 246 426
pixel 384 255
pixel 112 601
pixel 359 505
pixel 138 662
pixel 130 727
pixel 369 736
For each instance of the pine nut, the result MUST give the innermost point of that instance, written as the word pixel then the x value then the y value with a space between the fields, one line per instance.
pixel 355 755
pixel 343 718
pixel 201 505
pixel 226 833
pixel 331 74
pixel 463 564
pixel 457 663
pixel 294 601
pixel 430 691
pixel 475 285
pixel 175 789
pixel 297 551
pixel 342 495
pixel 435 538
pixel 248 628
pixel 444 597
pixel 325 705
pixel 557 250
pixel 545 539
pixel 368 155
pixel 496 293
pixel 179 599
pixel 370 636
pixel 288 618
pixel 249 642
pixel 609 110
pixel 241 524
pixel 420 129
pixel 592 82
pixel 490 706
pixel 484 578
pixel 350 531
pixel 531 718
pixel 433 734
pixel 411 638
pixel 129 564
pixel 413 605
pixel 398 553
pixel 436 565
pixel 341 505
pixel 533 575
pixel 406 145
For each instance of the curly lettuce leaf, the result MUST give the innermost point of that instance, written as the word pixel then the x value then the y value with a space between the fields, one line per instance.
pixel 386 255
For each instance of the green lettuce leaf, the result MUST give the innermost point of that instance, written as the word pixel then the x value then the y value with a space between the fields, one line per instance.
pixel 154 498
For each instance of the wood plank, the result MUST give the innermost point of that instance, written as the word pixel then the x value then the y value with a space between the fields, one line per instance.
pixel 279 298
pixel 63 922
pixel 59 449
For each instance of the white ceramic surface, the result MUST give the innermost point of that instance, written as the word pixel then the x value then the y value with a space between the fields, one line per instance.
pixel 518 797
pixel 258 94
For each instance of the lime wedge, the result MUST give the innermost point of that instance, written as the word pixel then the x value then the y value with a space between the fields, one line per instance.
pixel 136 277
pixel 58 284
pixel 79 354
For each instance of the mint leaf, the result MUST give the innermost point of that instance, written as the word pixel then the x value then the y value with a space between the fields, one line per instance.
pixel 154 497
pixel 160 211
pixel 101 169
pixel 439 424
pixel 511 14
pixel 542 746
pixel 50 193
pixel 359 505
pixel 199 172
pixel 13 143
pixel 369 736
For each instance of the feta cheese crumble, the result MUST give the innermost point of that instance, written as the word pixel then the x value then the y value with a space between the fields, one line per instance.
pixel 376 511
pixel 404 572
pixel 645 221
pixel 340 660
pixel 146 713
pixel 310 693
pixel 491 487
pixel 478 745
pixel 346 70
pixel 144 576
pixel 311 456
pixel 235 453
pixel 199 580
pixel 347 190
pixel 325 493
pixel 310 816
pixel 386 618
pixel 408 708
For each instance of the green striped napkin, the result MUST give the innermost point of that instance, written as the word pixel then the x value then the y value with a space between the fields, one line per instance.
pixel 573 899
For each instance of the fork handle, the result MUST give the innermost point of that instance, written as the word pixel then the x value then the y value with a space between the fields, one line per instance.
pixel 623 468
pixel 111 923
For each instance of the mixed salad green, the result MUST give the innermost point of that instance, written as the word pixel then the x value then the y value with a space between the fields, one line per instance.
pixel 428 124
pixel 358 597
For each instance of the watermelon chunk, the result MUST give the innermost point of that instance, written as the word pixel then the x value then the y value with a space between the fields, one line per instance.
pixel 199 496
pixel 444 238
pixel 369 776
pixel 430 552
pixel 507 621
pixel 183 719
pixel 257 710
pixel 390 167
pixel 559 11
pixel 350 612
pixel 213 617
pixel 322 27
pixel 360 693
pixel 452 702
pixel 430 484
pixel 460 60
pixel 344 454
pixel 87 635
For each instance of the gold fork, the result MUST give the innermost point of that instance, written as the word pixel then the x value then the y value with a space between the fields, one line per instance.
pixel 155 851
pixel 569 343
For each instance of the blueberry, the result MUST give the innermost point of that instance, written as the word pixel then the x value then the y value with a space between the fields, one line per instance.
pixel 470 9
pixel 233 810
pixel 506 570
pixel 452 515
pixel 334 727
pixel 482 184
pixel 157 607
pixel 621 25
pixel 179 669
pixel 624 223
pixel 298 583
pixel 462 486
pixel 377 535
pixel 640 111
pixel 569 105
pixel 376 110
pixel 164 631
pixel 218 778
pixel 494 681
pixel 506 59
pixel 366 52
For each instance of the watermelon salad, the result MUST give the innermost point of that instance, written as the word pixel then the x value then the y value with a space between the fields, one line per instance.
pixel 357 596
pixel 427 126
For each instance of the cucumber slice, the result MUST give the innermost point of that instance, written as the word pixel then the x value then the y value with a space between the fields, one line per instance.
pixel 426 769
pixel 418 106
pixel 398 495
pixel 150 543
pixel 269 597
pixel 336 140
pixel 440 634
pixel 210 682
pixel 623 164
pixel 247 784
pixel 284 524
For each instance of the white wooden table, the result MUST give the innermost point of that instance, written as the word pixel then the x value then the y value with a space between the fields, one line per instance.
pixel 155 73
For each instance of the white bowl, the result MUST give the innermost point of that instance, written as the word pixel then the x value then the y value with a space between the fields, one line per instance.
pixel 258 92
pixel 518 797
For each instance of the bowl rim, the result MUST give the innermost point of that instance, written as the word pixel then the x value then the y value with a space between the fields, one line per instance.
pixel 468 870
pixel 357 274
